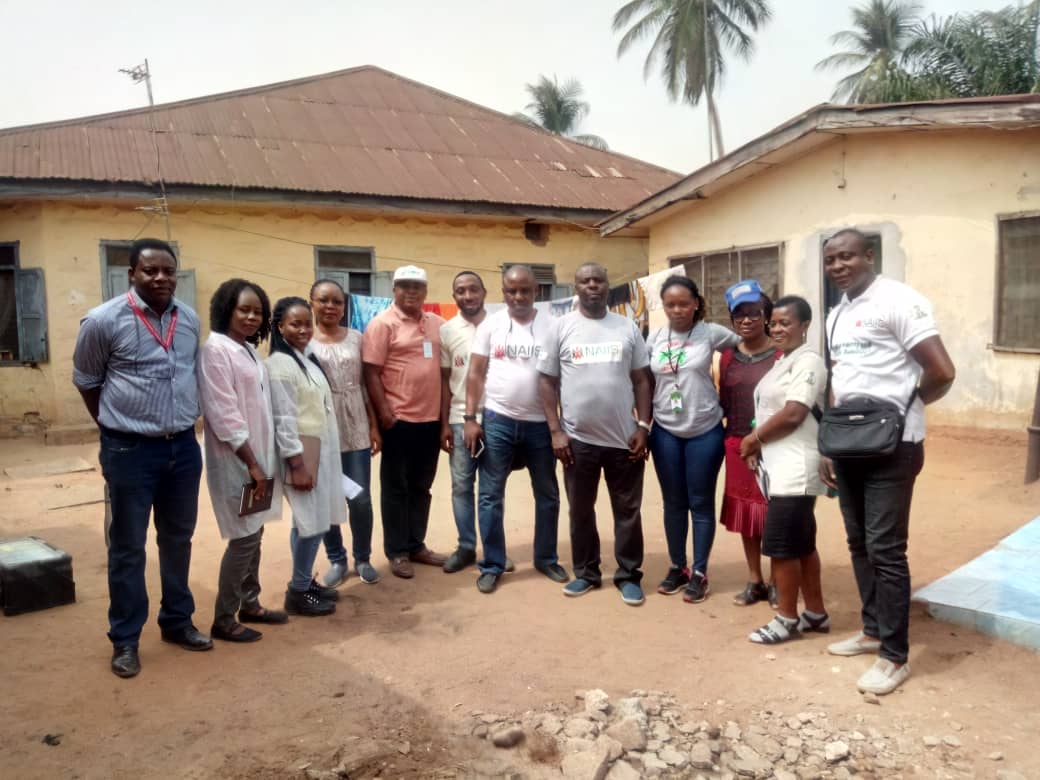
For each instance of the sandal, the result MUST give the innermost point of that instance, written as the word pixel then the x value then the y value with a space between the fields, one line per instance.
pixel 753 593
pixel 775 631
pixel 274 617
pixel 821 625
pixel 234 632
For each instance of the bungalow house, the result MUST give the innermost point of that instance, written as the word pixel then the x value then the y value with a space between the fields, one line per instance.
pixel 949 192
pixel 347 174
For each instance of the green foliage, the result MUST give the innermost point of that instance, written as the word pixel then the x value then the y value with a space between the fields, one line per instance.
pixel 559 108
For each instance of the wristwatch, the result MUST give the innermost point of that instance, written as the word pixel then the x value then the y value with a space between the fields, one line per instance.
pixel 644 425
pixel 469 418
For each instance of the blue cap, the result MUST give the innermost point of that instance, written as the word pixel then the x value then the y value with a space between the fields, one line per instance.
pixel 746 291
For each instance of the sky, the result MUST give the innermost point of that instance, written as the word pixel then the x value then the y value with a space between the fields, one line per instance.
pixel 61 60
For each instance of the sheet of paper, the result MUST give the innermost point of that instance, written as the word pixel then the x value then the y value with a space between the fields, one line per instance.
pixel 351 489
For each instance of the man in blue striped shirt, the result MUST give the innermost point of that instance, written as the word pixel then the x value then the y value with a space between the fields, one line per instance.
pixel 134 365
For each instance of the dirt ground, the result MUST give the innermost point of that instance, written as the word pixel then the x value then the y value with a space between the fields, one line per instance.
pixel 404 660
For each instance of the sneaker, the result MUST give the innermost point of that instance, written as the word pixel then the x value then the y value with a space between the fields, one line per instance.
pixel 674 581
pixel 366 572
pixel 578 587
pixel 821 625
pixel 307 604
pixel 486 583
pixel 697 590
pixel 323 593
pixel 883 677
pixel 459 560
pixel 510 566
pixel 554 572
pixel 860 644
pixel 632 594
pixel 336 575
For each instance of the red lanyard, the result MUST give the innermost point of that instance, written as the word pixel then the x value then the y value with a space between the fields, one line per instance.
pixel 165 344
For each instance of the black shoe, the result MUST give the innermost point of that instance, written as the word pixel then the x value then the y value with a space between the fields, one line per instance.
pixel 125 662
pixel 554 572
pixel 697 590
pixel 235 632
pixel 323 593
pixel 459 560
pixel 673 581
pixel 486 583
pixel 190 638
pixel 307 604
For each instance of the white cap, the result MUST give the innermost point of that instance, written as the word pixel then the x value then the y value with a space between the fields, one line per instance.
pixel 410 273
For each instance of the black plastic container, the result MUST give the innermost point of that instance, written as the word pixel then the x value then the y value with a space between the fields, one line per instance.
pixel 34 575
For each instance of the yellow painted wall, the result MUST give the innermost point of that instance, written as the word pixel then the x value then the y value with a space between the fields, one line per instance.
pixel 935 197
pixel 273 247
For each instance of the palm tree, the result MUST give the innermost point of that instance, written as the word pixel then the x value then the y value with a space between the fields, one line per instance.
pixel 559 109
pixel 691 38
pixel 882 30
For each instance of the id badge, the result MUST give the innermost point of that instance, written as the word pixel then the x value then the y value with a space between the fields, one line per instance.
pixel 427 349
pixel 675 397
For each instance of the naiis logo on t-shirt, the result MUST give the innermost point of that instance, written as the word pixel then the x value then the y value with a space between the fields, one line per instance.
pixel 460 361
pixel 870 322
pixel 515 351
pixel 607 352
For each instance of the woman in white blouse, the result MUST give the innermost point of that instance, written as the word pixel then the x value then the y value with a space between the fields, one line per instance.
pixel 782 447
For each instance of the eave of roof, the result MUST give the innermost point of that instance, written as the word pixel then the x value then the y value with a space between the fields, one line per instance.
pixel 816 127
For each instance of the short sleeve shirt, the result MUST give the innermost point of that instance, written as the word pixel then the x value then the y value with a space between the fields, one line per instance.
pixel 456 337
pixel 792 462
pixel 594 359
pixel 408 352
pixel 512 350
pixel 681 362
pixel 870 339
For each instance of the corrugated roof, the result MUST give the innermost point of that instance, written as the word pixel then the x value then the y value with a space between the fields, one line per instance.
pixel 363 131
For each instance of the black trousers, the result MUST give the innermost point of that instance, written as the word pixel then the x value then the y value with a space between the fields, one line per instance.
pixel 625 486
pixel 406 472
pixel 875 495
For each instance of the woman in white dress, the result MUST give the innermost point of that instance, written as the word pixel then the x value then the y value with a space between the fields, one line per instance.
pixel 239 437
pixel 307 439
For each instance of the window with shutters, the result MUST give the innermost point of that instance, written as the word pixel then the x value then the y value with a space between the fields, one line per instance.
pixel 1018 284
pixel 115 267
pixel 353 267
pixel 545 278
pixel 23 310
pixel 713 272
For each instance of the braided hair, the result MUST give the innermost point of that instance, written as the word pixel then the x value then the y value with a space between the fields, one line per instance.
pixel 278 342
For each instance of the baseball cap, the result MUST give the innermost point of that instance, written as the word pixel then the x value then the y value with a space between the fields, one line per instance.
pixel 409 273
pixel 747 291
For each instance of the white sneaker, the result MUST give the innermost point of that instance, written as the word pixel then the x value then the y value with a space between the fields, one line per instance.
pixel 883 677
pixel 335 575
pixel 855 645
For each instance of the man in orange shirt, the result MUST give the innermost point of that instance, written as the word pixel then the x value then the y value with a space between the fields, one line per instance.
pixel 401 353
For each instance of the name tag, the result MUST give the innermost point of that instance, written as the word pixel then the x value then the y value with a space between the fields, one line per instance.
pixel 427 349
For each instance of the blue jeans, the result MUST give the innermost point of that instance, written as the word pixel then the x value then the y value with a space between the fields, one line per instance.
pixel 463 477
pixel 356 464
pixel 304 552
pixel 503 438
pixel 150 475
pixel 688 470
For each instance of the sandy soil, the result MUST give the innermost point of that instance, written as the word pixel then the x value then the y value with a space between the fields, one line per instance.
pixel 402 660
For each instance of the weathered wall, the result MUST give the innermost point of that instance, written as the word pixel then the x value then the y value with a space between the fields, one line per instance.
pixel 935 197
pixel 275 248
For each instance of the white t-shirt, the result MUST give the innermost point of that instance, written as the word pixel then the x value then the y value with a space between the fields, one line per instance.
pixel 870 347
pixel 456 337
pixel 594 359
pixel 792 462
pixel 512 350
pixel 682 362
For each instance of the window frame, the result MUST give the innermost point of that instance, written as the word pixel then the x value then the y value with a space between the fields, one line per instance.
pixel 370 272
pixel 780 246
pixel 18 276
pixel 14 268
pixel 998 282
pixel 183 274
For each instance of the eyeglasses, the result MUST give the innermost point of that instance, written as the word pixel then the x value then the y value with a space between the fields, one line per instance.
pixel 754 316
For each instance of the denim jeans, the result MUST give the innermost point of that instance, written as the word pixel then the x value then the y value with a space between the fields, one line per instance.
pixel 625 486
pixel 356 464
pixel 304 553
pixel 875 495
pixel 159 476
pixel 406 473
pixel 463 477
pixel 688 470
pixel 503 438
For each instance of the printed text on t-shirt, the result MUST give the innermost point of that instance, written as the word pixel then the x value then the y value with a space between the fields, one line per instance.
pixel 605 352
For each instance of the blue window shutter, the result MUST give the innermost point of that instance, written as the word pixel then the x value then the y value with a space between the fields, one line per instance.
pixel 32 316
pixel 383 284
pixel 186 288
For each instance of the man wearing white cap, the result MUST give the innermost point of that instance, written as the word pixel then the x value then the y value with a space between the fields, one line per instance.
pixel 402 358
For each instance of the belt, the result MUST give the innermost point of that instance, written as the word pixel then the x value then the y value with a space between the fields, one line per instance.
pixel 128 436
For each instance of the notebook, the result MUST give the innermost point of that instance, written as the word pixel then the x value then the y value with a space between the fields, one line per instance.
pixel 249 505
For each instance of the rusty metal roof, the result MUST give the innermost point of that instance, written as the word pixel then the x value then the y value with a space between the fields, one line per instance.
pixel 363 131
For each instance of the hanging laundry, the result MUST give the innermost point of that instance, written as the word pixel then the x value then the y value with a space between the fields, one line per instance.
pixel 363 308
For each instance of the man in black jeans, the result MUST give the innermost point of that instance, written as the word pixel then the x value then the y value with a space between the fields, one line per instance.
pixel 884 344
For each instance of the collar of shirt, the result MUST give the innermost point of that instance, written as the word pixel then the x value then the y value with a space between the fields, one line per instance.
pixel 145 307
pixel 420 321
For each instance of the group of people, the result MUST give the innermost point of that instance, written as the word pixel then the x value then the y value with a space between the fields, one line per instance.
pixel 500 392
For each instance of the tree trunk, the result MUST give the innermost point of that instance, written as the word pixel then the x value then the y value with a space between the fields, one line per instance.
pixel 716 125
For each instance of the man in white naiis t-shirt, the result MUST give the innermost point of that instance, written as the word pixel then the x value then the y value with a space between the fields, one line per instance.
pixel 884 345
pixel 593 374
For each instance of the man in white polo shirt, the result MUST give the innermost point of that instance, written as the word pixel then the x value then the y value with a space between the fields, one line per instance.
pixel 503 364
pixel 884 345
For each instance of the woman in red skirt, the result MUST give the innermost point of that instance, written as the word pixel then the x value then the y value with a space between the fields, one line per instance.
pixel 740 369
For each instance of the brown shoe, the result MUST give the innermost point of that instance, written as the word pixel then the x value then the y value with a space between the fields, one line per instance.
pixel 428 557
pixel 402 567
